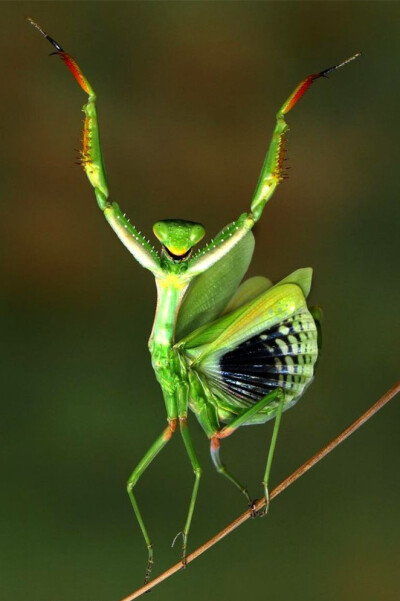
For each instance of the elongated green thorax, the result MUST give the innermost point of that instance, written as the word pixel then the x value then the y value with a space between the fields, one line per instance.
pixel 171 288
pixel 170 291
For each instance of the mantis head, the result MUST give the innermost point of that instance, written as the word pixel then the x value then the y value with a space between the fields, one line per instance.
pixel 178 237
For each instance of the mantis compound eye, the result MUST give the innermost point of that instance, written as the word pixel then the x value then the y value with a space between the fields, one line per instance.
pixel 160 230
pixel 197 233
pixel 178 237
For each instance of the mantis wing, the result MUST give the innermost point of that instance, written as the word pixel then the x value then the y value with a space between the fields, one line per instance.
pixel 210 292
pixel 268 343
pixel 211 332
pixel 248 290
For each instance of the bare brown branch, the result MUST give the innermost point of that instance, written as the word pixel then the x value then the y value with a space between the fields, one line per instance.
pixel 280 488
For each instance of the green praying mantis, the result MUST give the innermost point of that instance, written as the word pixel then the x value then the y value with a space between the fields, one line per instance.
pixel 235 353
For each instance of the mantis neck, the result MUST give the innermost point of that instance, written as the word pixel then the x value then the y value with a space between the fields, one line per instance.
pixel 170 291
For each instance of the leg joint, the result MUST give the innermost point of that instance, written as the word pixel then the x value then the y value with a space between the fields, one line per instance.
pixel 170 429
pixel 214 443
pixel 197 471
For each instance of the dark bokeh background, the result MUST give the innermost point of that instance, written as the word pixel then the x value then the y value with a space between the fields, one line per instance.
pixel 187 97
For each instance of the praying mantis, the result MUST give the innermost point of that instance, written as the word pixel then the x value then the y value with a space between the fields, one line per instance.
pixel 234 353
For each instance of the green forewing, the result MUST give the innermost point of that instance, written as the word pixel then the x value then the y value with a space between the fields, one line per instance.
pixel 302 277
pixel 210 292
pixel 248 290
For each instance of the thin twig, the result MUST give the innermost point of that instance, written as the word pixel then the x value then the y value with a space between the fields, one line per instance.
pixel 280 488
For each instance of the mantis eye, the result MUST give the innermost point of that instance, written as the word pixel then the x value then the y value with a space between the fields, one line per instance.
pixel 160 229
pixel 197 234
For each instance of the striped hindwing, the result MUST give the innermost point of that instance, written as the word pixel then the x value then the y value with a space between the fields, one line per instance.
pixel 271 342
pixel 282 356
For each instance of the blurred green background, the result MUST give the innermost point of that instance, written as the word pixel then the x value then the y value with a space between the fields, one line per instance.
pixel 187 97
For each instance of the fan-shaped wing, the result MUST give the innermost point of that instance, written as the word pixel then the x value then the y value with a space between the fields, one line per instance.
pixel 270 342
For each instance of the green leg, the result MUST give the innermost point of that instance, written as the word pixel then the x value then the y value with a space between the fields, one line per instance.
pixel 91 159
pixel 241 420
pixel 244 417
pixel 271 455
pixel 272 172
pixel 197 473
pixel 222 469
pixel 134 477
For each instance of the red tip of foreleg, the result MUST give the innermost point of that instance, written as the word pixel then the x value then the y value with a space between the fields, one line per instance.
pixel 76 72
pixel 67 59
pixel 299 91
pixel 306 83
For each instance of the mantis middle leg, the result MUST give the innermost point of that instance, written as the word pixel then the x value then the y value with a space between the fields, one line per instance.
pixel 153 451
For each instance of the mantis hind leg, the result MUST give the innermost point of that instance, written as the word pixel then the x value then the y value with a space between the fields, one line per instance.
pixel 222 469
pixel 241 420
pixel 270 457
pixel 153 451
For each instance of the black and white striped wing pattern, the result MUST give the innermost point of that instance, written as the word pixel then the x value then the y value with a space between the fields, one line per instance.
pixel 267 343
pixel 280 356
